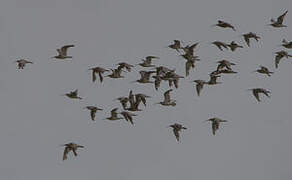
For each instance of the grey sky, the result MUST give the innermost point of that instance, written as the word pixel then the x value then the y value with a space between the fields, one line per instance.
pixel 35 119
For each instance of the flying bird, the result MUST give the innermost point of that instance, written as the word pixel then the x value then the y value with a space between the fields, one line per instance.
pixel 63 52
pixel 249 36
pixel 147 62
pixel 98 70
pixel 215 123
pixel 220 44
pixel 114 115
pixel 233 46
pixel 176 130
pixel 264 70
pixel 70 147
pixel 280 55
pixel 93 110
pixel 279 22
pixel 224 64
pixel 257 91
pixel 73 94
pixel 199 85
pixel 167 100
pixel 22 63
pixel 124 65
pixel 287 44
pixel 176 45
pixel 223 24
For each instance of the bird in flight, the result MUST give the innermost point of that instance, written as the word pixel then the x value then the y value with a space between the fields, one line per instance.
pixel 279 22
pixel 22 63
pixel 215 123
pixel 62 52
pixel 93 110
pixel 176 130
pixel 70 147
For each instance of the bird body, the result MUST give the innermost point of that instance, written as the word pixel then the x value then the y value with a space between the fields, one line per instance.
pixel 249 36
pixel 73 94
pixel 22 63
pixel 223 24
pixel 70 147
pixel 264 70
pixel 286 44
pixel 62 52
pixel 98 70
pixel 279 22
pixel 279 56
pixel 215 123
pixel 220 44
pixel 176 130
pixel 167 100
pixel 257 91
pixel 93 110
pixel 233 46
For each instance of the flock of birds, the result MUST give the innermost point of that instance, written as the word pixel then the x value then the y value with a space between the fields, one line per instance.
pixel 157 74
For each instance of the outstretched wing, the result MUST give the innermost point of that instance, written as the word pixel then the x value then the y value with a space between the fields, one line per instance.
pixel 280 19
pixel 92 114
pixel 246 39
pixel 256 95
pixel 176 133
pixel 66 151
pixel 64 49
pixel 93 76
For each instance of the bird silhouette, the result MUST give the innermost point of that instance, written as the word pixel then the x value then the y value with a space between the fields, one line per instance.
pixel 22 63
pixel 215 123
pixel 257 91
pixel 279 22
pixel 93 110
pixel 70 147
pixel 176 130
pixel 249 36
pixel 62 52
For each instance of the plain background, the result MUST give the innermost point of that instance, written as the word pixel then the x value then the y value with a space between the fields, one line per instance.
pixel 35 119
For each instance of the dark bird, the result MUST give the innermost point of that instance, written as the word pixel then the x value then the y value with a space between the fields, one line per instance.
pixel 213 80
pixel 128 116
pixel 70 147
pixel 98 70
pixel 176 129
pixel 73 94
pixel 257 91
pixel 223 71
pixel 116 73
pixel 145 77
pixel 215 124
pixel 249 36
pixel 233 46
pixel 63 52
pixel 167 101
pixel 223 24
pixel 123 65
pixel 22 63
pixel 157 81
pixel 279 22
pixel 199 85
pixel 220 44
pixel 224 64
pixel 141 98
pixel 176 45
pixel 280 55
pixel 93 110
pixel 264 70
pixel 147 62
pixel 287 44
pixel 114 115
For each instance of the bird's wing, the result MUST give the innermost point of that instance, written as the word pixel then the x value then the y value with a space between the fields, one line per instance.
pixel 256 95
pixel 74 152
pixel 100 76
pixel 93 76
pixel 280 19
pixel 176 133
pixel 66 151
pixel 199 87
pixel 75 93
pixel 215 127
pixel 188 67
pixel 92 114
pixel 277 60
pixel 167 95
pixel 246 40
pixel 64 49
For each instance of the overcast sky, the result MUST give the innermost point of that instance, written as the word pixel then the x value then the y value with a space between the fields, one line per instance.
pixel 35 119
